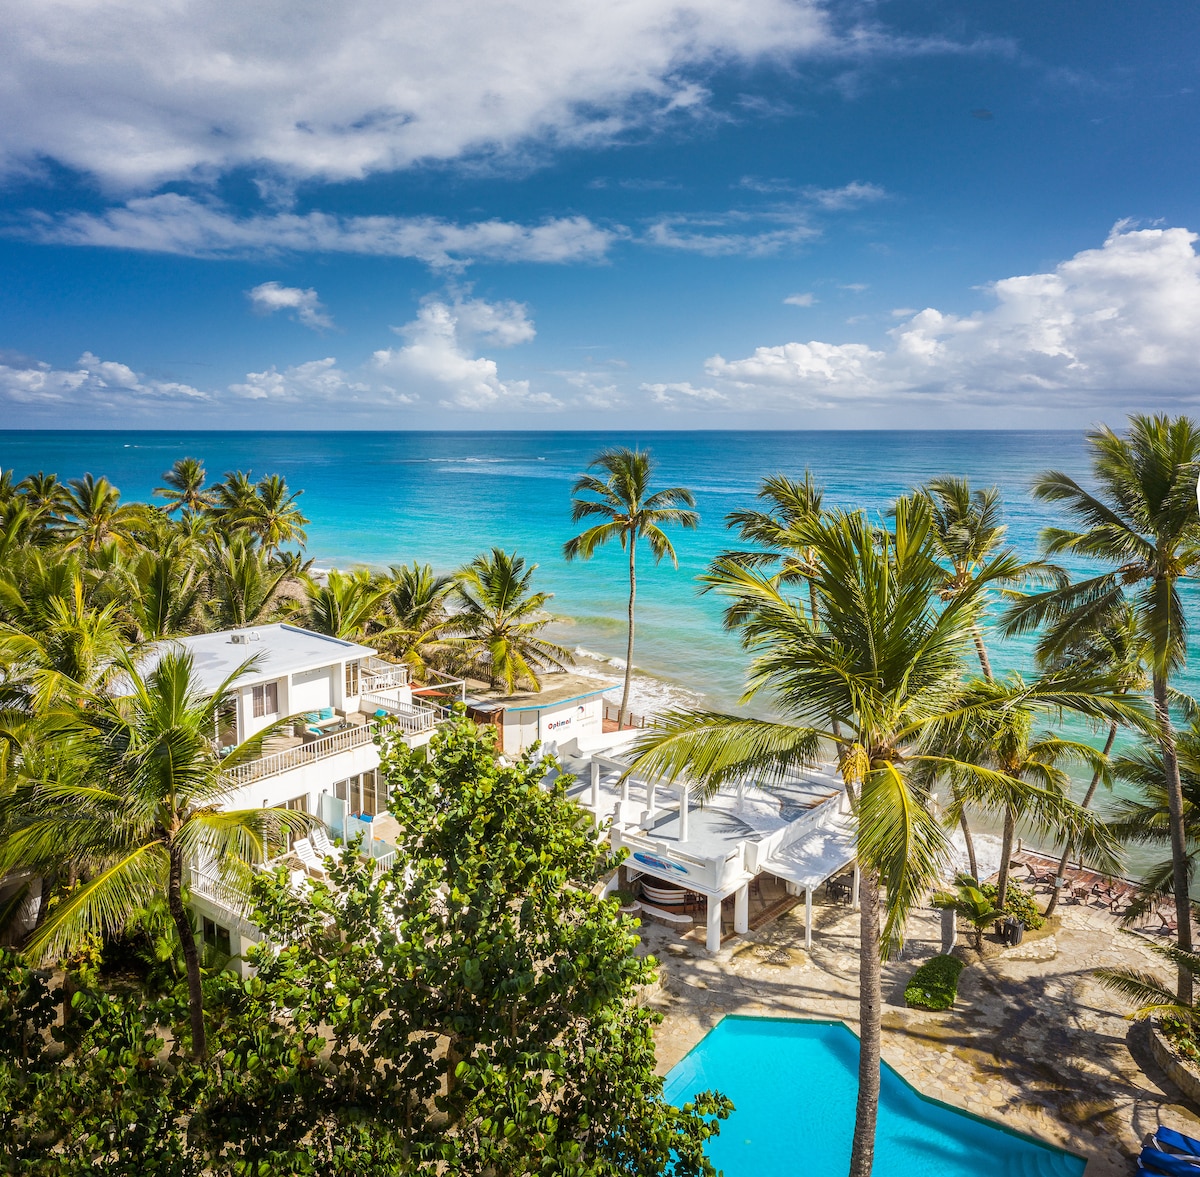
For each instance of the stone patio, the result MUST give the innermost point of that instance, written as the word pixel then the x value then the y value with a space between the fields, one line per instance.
pixel 1033 1041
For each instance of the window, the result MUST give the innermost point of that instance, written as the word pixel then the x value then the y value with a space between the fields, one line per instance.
pixel 217 937
pixel 351 679
pixel 265 698
pixel 287 837
pixel 366 793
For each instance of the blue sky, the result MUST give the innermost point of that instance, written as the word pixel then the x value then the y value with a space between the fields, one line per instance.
pixel 668 213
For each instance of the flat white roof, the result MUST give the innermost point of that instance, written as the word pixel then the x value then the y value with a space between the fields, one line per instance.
pixel 818 854
pixel 279 650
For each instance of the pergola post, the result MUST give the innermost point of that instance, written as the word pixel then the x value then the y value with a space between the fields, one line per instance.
pixel 712 939
pixel 625 788
pixel 650 789
pixel 808 917
pixel 685 806
pixel 857 880
pixel 596 793
pixel 741 909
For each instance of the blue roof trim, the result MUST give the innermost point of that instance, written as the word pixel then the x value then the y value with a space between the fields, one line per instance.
pixel 560 702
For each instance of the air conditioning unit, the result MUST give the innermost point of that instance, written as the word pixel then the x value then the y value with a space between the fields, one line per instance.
pixel 239 639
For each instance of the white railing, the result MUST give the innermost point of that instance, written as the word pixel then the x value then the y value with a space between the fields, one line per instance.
pixel 612 713
pixel 375 674
pixel 302 754
pixel 412 720
pixel 667 861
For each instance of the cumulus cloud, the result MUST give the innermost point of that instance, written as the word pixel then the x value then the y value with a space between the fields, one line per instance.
pixel 439 354
pixel 684 395
pixel 269 297
pixel 171 223
pixel 1116 325
pixel 92 383
pixel 806 299
pixel 141 94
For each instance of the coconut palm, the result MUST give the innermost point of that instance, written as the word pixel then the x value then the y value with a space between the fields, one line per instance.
pixel 414 615
pixel 165 593
pixel 1115 651
pixel 184 490
pixel 886 659
pixel 1150 997
pixel 343 605
pixel 272 515
pixel 93 516
pixel 1142 522
pixel 231 498
pixel 970 903
pixel 45 497
pixel 244 586
pixel 630 511
pixel 495 629
pixel 147 808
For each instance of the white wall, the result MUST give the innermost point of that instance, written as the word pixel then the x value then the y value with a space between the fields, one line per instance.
pixel 312 689
pixel 570 721
pixel 308 781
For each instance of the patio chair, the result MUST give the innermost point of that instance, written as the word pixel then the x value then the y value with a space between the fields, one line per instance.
pixel 303 849
pixel 321 843
pixel 1153 1160
pixel 1168 1140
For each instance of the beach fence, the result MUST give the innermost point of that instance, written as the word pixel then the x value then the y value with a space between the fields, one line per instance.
pixel 612 715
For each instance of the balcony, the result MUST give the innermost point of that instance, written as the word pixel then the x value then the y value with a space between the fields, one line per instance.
pixel 413 721
pixel 377 675
pixel 354 736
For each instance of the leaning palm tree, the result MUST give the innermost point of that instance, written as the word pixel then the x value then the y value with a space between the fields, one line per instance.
pixel 886 660
pixel 146 809
pixel 1142 522
pixel 343 605
pixel 495 630
pixel 184 490
pixel 630 511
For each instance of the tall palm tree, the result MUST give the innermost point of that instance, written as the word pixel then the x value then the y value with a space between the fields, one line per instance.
pixel 148 807
pixel 886 660
pixel 414 615
pixel 1116 651
pixel 272 514
pixel 244 587
pixel 231 498
pixel 630 511
pixel 343 606
pixel 184 490
pixel 497 624
pixel 93 516
pixel 1142 522
pixel 45 497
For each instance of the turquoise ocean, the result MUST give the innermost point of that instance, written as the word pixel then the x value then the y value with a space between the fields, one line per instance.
pixel 390 497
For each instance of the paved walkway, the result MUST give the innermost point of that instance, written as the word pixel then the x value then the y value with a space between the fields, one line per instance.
pixel 1033 1041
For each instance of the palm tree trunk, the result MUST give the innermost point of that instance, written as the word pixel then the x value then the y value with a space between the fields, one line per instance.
pixel 985 663
pixel 870 1003
pixel 971 860
pixel 1179 862
pixel 624 715
pixel 1087 800
pixel 1006 845
pixel 191 957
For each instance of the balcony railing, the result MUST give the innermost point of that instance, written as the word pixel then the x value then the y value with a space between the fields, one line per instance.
pixel 376 675
pixel 298 757
pixel 411 720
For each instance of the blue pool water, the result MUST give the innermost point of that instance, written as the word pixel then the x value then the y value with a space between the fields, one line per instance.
pixel 794 1084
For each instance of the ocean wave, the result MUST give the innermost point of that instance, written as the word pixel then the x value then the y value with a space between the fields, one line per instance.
pixel 647 695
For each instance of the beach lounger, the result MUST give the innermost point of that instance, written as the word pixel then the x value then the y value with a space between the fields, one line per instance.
pixel 1168 1140
pixel 321 843
pixel 303 849
pixel 1153 1160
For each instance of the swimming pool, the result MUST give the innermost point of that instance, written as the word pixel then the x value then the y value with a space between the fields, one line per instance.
pixel 794 1085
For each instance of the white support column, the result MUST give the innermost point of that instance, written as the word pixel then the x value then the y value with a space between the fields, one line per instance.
pixel 685 805
pixel 741 796
pixel 857 880
pixel 712 940
pixel 625 789
pixel 741 909
pixel 807 917
pixel 596 793
pixel 650 812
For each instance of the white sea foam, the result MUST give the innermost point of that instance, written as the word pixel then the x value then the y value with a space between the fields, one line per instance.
pixel 647 695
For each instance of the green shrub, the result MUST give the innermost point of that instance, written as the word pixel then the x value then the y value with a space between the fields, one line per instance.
pixel 1180 1034
pixel 935 984
pixel 1019 903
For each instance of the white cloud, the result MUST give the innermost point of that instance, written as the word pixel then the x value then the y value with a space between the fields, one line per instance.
pixel 850 195
pixel 806 299
pixel 141 94
pixel 269 297
pixel 1118 325
pixel 171 223
pixel 903 312
pixel 439 355
pixel 313 382
pixel 733 233
pixel 92 382
pixel 683 395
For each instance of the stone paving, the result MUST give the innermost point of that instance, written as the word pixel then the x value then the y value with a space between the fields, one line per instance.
pixel 1034 1041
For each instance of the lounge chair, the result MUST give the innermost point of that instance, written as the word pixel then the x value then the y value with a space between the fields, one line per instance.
pixel 303 849
pixel 1168 1140
pixel 321 843
pixel 1153 1160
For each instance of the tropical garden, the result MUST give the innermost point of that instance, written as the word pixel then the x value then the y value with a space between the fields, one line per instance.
pixel 473 1009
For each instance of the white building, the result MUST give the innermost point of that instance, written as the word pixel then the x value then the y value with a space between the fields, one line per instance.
pixel 567 707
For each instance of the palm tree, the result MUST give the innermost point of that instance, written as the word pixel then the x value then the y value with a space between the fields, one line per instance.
pixel 166 590
pixel 148 806
pixel 630 512
pixel 498 620
pixel 231 498
pixel 969 902
pixel 93 516
pixel 1151 998
pixel 45 497
pixel 244 587
pixel 1115 651
pixel 272 515
pixel 184 490
pixel 1142 522
pixel 886 660
pixel 343 606
pixel 414 615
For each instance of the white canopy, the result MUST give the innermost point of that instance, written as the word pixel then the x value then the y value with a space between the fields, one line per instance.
pixel 819 854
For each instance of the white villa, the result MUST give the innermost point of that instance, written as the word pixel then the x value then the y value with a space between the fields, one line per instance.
pixel 683 856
